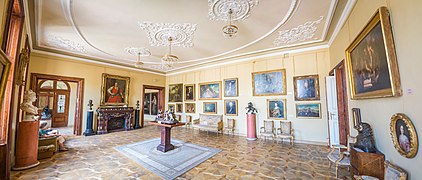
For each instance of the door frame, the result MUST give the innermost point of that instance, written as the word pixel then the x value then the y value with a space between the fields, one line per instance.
pixel 342 100
pixel 161 99
pixel 77 129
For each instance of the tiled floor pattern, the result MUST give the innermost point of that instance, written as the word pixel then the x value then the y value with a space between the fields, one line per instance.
pixel 93 157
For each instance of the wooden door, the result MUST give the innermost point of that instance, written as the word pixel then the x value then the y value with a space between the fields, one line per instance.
pixel 61 109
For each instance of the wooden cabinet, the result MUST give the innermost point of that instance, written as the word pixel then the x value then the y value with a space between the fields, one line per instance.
pixel 363 163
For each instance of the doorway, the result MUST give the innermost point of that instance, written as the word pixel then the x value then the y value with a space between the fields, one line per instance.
pixel 152 102
pixel 59 101
pixel 338 108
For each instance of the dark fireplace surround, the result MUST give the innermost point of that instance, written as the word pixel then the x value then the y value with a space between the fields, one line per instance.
pixel 111 119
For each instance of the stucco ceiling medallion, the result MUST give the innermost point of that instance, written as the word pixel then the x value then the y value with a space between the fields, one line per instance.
pixel 219 9
pixel 159 33
pixel 62 43
pixel 134 51
pixel 300 33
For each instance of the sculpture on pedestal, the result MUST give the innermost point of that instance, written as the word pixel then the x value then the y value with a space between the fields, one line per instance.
pixel 28 98
pixel 365 138
pixel 250 109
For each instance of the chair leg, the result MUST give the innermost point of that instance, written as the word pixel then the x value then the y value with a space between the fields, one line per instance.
pixel 336 171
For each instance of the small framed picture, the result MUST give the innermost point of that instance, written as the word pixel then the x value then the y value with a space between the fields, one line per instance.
pixel 231 87
pixel 176 93
pixel 306 88
pixel 210 107
pixel 189 92
pixel 356 118
pixel 171 107
pixel 230 107
pixel 276 108
pixel 308 110
pixel 190 107
pixel 403 133
pixel 179 108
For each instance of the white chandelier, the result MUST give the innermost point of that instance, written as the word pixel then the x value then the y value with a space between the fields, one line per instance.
pixel 168 60
pixel 138 52
pixel 230 30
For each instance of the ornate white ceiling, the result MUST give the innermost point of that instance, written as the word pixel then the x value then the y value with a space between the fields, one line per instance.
pixel 112 31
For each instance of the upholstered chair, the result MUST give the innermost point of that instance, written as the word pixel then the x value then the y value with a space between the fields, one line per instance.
pixel 285 132
pixel 230 126
pixel 47 147
pixel 391 172
pixel 267 130
pixel 340 157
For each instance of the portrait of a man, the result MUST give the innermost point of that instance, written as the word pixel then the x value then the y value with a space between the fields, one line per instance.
pixel 115 90
pixel 190 92
pixel 306 88
pixel 230 107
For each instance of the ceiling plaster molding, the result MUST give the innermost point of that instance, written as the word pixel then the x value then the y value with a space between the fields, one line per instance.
pixel 94 61
pixel 38 17
pixel 280 53
pixel 344 16
pixel 159 33
pixel 300 33
pixel 134 51
pixel 60 42
pixel 27 23
pixel 329 19
pixel 218 9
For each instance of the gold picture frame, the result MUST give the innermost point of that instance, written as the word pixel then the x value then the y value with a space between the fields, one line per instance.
pixel 313 111
pixel 189 96
pixel 212 108
pixel 179 108
pixel 112 95
pixel 228 89
pixel 4 74
pixel 392 171
pixel 228 111
pixel 372 61
pixel 258 78
pixel 190 108
pixel 403 133
pixel 207 91
pixel 176 92
pixel 273 112
pixel 171 107
pixel 306 88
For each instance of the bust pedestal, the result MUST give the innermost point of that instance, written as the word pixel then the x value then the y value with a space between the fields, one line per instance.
pixel 251 123
pixel 27 145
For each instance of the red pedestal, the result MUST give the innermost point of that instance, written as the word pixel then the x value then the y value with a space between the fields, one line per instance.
pixel 27 145
pixel 165 144
pixel 251 123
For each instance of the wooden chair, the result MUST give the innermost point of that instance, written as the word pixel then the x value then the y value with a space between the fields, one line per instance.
pixel 285 132
pixel 339 157
pixel 188 121
pixel 230 127
pixel 267 130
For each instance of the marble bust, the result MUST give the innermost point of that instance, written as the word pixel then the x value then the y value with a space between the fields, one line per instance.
pixel 28 98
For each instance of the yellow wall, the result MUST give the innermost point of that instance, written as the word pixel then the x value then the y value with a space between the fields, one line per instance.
pixel 405 18
pixel 309 63
pixel 92 74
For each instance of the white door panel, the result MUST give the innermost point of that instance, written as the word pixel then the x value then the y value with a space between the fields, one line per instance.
pixel 332 110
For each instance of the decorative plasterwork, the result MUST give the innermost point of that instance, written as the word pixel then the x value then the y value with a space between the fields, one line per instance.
pixel 218 9
pixel 158 33
pixel 298 34
pixel 60 42
pixel 134 51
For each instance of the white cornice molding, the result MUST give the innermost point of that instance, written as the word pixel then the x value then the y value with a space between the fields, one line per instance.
pixel 344 16
pixel 93 61
pixel 294 51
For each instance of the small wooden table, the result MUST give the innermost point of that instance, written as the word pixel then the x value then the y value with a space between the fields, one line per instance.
pixel 165 144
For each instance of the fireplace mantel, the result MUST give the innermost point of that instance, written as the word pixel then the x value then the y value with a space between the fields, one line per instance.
pixel 112 119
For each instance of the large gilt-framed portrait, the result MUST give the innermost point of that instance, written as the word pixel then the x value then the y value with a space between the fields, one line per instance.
pixel 403 133
pixel 269 83
pixel 372 62
pixel 306 88
pixel 115 90
pixel 189 92
pixel 210 90
pixel 4 72
pixel 276 109
pixel 176 93
pixel 231 87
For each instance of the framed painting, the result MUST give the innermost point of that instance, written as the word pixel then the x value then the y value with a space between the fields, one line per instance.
pixel 179 108
pixel 115 90
pixel 176 93
pixel 372 62
pixel 210 107
pixel 308 110
pixel 4 72
pixel 357 121
pixel 189 92
pixel 230 107
pixel 269 83
pixel 210 90
pixel 231 87
pixel 404 135
pixel 276 108
pixel 190 107
pixel 306 88
pixel 171 107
